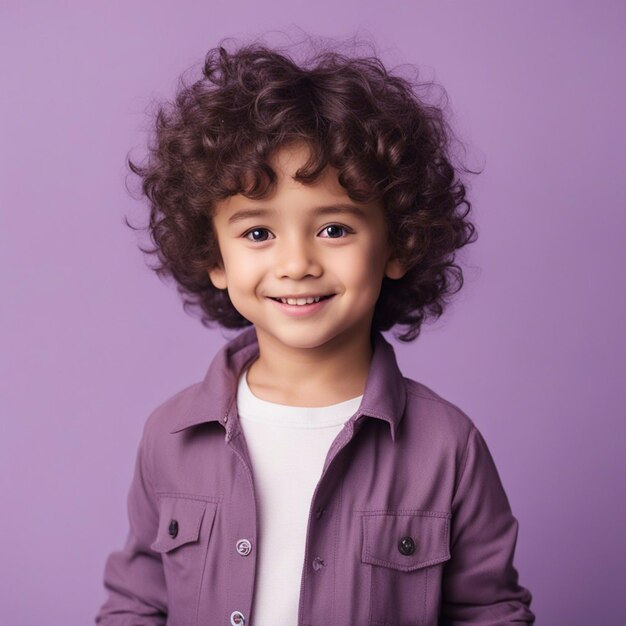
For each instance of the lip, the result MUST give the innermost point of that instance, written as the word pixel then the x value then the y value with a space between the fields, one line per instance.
pixel 302 310
pixel 307 295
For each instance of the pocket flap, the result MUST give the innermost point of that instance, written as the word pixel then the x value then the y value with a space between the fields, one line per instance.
pixel 179 522
pixel 406 541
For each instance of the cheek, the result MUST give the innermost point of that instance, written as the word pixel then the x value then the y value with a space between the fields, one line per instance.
pixel 365 268
pixel 242 271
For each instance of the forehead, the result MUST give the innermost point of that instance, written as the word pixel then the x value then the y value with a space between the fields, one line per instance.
pixel 289 193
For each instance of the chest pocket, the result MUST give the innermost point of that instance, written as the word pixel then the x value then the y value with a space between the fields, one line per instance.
pixel 185 526
pixel 405 551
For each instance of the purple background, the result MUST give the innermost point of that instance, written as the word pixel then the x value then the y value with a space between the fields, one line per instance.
pixel 532 349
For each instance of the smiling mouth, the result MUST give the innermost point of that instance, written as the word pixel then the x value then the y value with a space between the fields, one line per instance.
pixel 303 301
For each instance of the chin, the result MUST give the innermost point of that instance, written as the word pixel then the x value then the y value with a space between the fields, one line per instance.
pixel 302 338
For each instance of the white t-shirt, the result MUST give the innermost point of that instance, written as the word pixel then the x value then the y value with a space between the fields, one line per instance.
pixel 288 446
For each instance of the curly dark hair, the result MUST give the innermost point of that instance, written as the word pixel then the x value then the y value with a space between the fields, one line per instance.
pixel 216 138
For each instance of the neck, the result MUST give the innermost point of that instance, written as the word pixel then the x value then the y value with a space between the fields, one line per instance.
pixel 313 376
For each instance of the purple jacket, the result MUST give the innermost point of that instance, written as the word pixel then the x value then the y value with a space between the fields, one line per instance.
pixel 409 515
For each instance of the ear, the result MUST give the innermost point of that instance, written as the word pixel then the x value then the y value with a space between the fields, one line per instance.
pixel 217 275
pixel 394 269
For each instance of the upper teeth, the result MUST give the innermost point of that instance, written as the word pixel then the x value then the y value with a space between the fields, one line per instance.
pixel 299 301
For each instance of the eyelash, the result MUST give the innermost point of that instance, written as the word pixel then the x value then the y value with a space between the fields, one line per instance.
pixel 248 232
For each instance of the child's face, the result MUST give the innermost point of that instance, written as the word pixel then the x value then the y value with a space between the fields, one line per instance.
pixel 289 248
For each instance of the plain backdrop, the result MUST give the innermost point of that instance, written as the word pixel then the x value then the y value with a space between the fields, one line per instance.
pixel 532 348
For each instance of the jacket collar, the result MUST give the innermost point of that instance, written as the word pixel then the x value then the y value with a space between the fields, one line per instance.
pixel 384 396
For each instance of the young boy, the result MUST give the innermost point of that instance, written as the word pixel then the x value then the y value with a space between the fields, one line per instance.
pixel 305 480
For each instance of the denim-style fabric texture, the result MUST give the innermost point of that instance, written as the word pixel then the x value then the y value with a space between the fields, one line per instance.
pixel 409 523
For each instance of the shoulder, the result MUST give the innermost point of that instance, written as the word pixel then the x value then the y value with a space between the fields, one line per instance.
pixel 428 410
pixel 164 417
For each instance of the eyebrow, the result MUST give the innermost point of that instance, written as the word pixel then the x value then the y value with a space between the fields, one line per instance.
pixel 320 210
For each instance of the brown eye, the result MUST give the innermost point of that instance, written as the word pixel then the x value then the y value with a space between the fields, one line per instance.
pixel 257 234
pixel 335 231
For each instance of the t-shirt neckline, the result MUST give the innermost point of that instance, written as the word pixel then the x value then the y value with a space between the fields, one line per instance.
pixel 250 407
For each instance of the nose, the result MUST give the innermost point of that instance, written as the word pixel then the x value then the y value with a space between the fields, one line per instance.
pixel 296 259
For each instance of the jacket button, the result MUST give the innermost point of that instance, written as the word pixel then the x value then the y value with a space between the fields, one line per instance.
pixel 237 618
pixel 406 545
pixel 173 528
pixel 244 547
pixel 318 563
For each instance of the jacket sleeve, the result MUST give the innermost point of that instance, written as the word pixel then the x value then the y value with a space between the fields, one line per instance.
pixel 134 575
pixel 480 583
